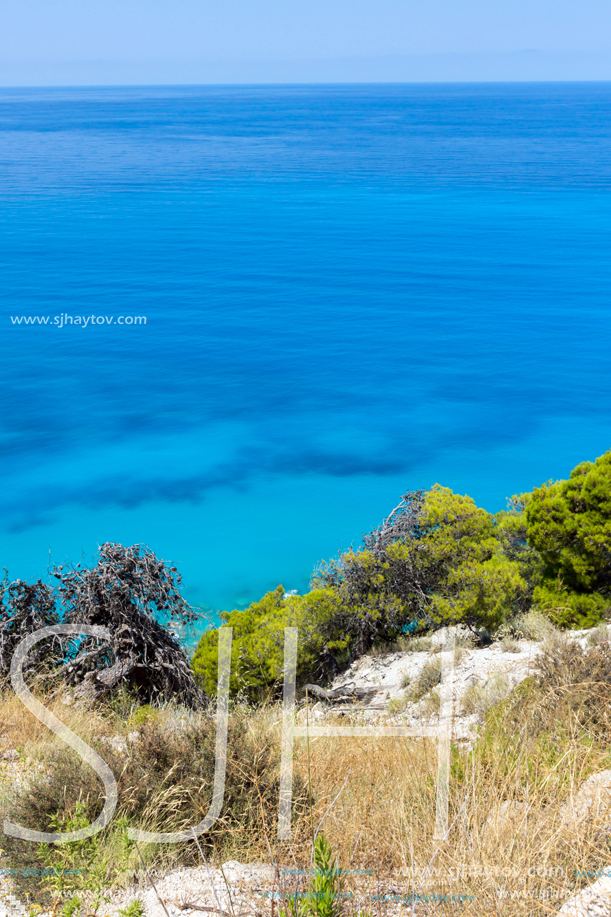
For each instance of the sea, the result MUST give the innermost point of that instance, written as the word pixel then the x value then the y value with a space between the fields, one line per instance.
pixel 240 322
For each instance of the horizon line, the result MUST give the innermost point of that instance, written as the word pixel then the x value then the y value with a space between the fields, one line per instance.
pixel 299 83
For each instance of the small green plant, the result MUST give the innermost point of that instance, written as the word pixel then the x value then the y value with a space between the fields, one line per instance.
pixel 135 908
pixel 405 680
pixel 323 898
pixel 141 714
pixel 79 865
pixel 71 907
pixel 397 705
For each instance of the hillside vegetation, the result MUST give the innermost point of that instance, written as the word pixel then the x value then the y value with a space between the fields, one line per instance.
pixel 437 559
pixel 513 845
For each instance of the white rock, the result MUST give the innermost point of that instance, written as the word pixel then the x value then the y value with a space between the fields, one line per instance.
pixel 594 901
pixel 592 799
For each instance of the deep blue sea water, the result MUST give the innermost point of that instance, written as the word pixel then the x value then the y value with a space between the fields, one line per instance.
pixel 350 291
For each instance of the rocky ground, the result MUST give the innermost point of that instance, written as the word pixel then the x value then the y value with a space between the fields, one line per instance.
pixel 478 677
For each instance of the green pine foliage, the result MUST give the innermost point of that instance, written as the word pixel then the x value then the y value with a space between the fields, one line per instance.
pixel 438 559
pixel 569 524
pixel 257 652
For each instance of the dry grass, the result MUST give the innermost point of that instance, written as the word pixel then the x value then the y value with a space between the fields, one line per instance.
pixel 428 678
pixel 20 729
pixel 537 748
pixel 465 640
pixel 375 797
pixel 397 705
pixel 509 645
pixel 419 645
pixel 599 635
pixel 533 625
pixel 430 705
pixel 480 698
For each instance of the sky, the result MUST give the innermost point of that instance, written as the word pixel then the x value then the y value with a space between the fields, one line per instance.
pixel 109 42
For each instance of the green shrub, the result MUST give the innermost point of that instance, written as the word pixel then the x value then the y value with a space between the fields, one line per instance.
pixel 445 565
pixel 569 523
pixel 164 784
pixel 257 653
pixel 323 898
pixel 135 908
pixel 482 592
pixel 437 559
pixel 567 608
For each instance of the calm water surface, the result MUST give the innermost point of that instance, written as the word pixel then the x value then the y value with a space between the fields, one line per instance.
pixel 349 291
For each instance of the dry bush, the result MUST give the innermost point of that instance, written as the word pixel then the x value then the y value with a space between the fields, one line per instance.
pixel 465 640
pixel 419 645
pixel 397 705
pixel 509 645
pixel 535 750
pixel 533 625
pixel 404 643
pixel 598 635
pixel 428 678
pixel 430 704
pixel 376 797
pixel 480 698
pixel 165 784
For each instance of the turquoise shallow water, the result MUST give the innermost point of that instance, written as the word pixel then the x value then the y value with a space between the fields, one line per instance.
pixel 349 292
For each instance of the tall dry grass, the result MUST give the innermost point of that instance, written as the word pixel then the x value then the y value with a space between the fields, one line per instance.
pixel 21 730
pixel 511 848
pixel 511 844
